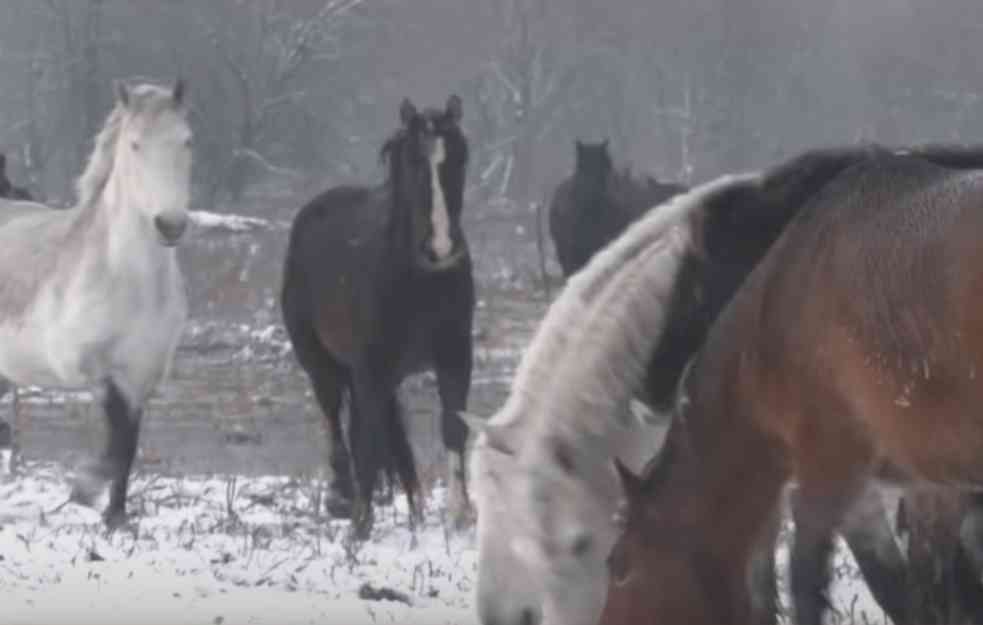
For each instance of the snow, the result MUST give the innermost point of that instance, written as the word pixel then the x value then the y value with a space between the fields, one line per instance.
pixel 230 550
pixel 222 550
pixel 229 222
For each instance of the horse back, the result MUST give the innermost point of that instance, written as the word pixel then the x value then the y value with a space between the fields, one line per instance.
pixel 870 305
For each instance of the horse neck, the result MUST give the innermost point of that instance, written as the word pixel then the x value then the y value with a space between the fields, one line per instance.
pixel 713 452
pixel 116 221
pixel 590 186
pixel 403 206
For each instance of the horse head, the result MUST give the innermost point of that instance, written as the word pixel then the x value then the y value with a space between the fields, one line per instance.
pixel 593 160
pixel 152 153
pixel 428 161
pixel 553 514
pixel 651 566
pixel 508 592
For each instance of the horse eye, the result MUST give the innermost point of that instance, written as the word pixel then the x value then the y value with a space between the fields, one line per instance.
pixel 135 146
pixel 581 545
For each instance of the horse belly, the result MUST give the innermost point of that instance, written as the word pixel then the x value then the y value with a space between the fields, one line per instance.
pixel 338 328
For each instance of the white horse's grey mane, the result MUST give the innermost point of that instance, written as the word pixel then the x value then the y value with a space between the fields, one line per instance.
pixel 143 98
pixel 602 310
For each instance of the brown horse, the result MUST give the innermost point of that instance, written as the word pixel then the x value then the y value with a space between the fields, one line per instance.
pixel 849 355
pixel 378 285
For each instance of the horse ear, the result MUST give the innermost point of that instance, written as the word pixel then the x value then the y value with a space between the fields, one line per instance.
pixel 406 111
pixel 122 92
pixel 494 432
pixel 454 106
pixel 177 92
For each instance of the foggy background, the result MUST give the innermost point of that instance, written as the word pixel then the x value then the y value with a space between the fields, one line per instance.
pixel 291 97
pixel 302 92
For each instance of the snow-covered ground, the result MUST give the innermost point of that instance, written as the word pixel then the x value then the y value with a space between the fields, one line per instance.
pixel 230 550
pixel 222 551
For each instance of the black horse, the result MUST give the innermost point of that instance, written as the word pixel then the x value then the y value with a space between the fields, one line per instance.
pixel 596 203
pixel 378 285
pixel 7 188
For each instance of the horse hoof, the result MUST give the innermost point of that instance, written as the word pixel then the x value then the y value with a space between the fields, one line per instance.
pixel 384 498
pixel 86 488
pixel 114 519
pixel 464 519
pixel 362 522
pixel 338 507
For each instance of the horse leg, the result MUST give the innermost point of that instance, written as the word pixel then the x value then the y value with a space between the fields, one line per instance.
pixel 123 431
pixel 367 447
pixel 328 380
pixel 828 486
pixel 761 574
pixel 453 357
pixel 867 531
pixel 9 435
pixel 968 566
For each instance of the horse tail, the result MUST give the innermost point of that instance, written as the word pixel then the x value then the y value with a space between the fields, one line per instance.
pixel 400 461
pixel 541 244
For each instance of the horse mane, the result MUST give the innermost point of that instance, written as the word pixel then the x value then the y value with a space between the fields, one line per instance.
pixel 565 321
pixel 956 156
pixel 91 183
pixel 388 151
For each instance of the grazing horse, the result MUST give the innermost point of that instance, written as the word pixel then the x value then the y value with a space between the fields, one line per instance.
pixel 543 483
pixel 378 285
pixel 7 188
pixel 595 204
pixel 94 297
pixel 849 355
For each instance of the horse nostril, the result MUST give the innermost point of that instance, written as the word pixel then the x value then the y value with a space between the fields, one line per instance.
pixel 170 229
pixel 528 617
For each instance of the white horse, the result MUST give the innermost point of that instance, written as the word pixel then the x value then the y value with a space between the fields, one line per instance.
pixel 93 297
pixel 544 482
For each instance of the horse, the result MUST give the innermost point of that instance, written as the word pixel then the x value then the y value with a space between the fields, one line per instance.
pixel 93 298
pixel 596 203
pixel 7 189
pixel 378 285
pixel 881 274
pixel 736 219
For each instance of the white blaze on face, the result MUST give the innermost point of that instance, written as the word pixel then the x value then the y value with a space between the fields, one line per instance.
pixel 440 243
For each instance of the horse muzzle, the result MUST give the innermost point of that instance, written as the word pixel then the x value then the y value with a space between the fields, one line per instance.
pixel 170 228
pixel 428 261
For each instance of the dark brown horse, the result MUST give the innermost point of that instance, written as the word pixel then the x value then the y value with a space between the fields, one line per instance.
pixel 596 203
pixel 848 355
pixel 378 285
